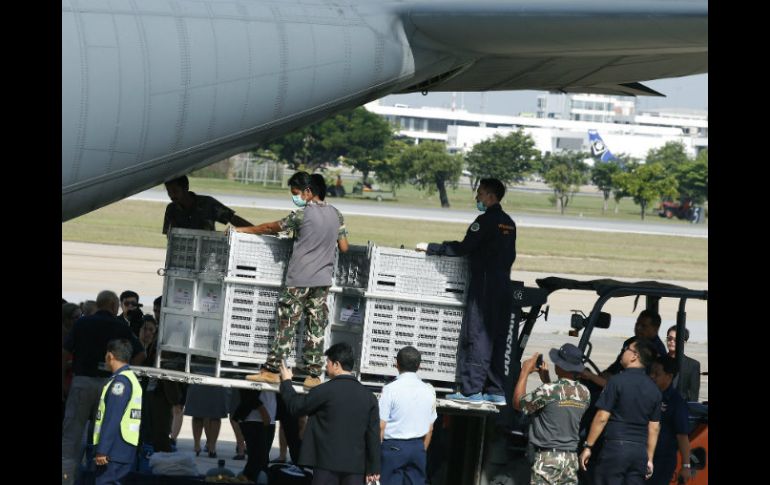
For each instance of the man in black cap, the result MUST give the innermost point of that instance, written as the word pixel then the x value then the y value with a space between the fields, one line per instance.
pixel 555 410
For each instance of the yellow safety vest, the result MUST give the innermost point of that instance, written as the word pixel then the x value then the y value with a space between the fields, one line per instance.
pixel 132 417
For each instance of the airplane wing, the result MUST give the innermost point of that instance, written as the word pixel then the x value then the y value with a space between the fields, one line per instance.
pixel 153 89
pixel 588 46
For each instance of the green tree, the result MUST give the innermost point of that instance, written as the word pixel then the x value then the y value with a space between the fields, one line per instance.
pixel 627 164
pixel 691 174
pixel 669 155
pixel 601 176
pixel 295 148
pixel 693 178
pixel 391 169
pixel 647 183
pixel 507 158
pixel 364 137
pixel 357 137
pixel 430 167
pixel 565 173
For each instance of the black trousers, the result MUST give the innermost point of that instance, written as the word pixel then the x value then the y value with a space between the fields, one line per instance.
pixel 290 426
pixel 160 421
pixel 621 462
pixel 325 477
pixel 259 440
pixel 482 341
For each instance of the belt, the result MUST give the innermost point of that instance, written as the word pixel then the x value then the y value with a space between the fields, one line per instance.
pixel 537 448
pixel 404 439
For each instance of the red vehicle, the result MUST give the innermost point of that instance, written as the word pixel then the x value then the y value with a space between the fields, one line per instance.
pixel 684 209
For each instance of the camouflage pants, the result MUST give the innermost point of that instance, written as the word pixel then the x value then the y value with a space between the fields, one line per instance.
pixel 291 305
pixel 555 467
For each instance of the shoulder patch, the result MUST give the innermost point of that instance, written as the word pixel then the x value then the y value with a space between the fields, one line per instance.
pixel 475 226
pixel 118 388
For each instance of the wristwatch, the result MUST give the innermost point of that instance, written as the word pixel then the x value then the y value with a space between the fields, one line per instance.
pixel 586 445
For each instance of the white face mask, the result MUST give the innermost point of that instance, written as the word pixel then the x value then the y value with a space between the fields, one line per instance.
pixel 298 201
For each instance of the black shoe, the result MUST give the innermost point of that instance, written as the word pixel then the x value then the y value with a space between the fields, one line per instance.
pixel 212 454
pixel 239 457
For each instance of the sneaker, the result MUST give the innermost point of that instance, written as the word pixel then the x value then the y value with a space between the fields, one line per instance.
pixel 311 382
pixel 496 399
pixel 294 471
pixel 460 397
pixel 265 376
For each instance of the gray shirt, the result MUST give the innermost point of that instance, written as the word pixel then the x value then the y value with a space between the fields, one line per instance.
pixel 555 411
pixel 317 228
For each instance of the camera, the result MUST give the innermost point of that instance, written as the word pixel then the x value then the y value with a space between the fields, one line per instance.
pixel 135 320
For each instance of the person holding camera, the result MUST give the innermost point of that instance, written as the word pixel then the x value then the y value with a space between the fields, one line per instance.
pixel 555 410
pixel 130 308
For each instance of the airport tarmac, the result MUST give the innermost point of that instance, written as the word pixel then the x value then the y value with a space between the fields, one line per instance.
pixel 89 268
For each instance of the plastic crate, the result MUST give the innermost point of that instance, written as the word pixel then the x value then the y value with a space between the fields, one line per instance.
pixel 258 259
pixel 351 268
pixel 414 274
pixel 434 330
pixel 196 251
pixel 251 314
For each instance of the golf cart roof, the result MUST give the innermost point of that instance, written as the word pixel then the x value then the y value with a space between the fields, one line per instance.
pixel 620 288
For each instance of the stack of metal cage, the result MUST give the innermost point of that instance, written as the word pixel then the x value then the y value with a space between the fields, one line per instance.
pixel 220 305
pixel 418 300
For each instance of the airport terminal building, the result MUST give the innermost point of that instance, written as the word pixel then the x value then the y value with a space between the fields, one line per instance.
pixel 561 123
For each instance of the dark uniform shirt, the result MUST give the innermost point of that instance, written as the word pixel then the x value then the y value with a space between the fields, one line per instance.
pixel 202 215
pixel 674 420
pixel 490 244
pixel 111 442
pixel 633 400
pixel 87 341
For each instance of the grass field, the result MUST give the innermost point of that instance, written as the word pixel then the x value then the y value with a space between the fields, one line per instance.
pixel 137 223
pixel 460 198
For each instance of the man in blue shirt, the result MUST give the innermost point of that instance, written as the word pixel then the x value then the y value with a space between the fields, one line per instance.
pixel 629 408
pixel 407 412
pixel 116 433
pixel 674 425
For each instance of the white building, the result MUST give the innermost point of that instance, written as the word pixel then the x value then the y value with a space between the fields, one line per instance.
pixel 623 132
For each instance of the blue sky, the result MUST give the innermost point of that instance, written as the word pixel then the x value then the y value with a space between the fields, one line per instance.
pixel 683 92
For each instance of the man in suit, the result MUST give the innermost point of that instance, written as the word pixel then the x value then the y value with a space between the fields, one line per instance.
pixel 687 381
pixel 342 437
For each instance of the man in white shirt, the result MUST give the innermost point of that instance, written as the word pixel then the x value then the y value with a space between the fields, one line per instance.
pixel 407 412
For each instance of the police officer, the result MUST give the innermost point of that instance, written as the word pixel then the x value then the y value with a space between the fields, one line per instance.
pixel 116 432
pixel 556 409
pixel 629 407
pixel 490 244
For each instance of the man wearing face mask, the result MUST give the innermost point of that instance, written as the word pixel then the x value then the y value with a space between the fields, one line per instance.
pixel 318 229
pixel 490 244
